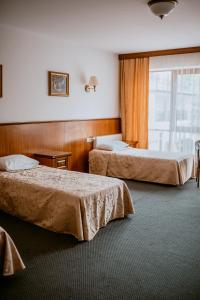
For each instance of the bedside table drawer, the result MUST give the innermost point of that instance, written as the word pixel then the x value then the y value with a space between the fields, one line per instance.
pixel 61 163
pixel 55 159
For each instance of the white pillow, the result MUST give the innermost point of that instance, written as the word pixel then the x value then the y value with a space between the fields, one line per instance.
pixel 108 147
pixel 120 144
pixel 17 162
pixel 113 146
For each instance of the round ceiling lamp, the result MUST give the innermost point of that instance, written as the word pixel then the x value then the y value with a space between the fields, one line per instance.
pixel 162 8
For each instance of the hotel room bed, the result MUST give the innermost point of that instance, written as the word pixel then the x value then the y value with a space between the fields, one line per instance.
pixel 10 260
pixel 64 201
pixel 142 165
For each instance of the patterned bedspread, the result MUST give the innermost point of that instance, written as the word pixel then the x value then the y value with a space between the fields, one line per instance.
pixel 144 165
pixel 10 260
pixel 64 201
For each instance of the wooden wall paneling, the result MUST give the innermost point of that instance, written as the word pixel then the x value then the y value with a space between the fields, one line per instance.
pixel 76 133
pixel 28 138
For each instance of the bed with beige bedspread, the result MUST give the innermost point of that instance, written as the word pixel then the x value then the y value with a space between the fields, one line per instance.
pixel 143 165
pixel 10 260
pixel 64 201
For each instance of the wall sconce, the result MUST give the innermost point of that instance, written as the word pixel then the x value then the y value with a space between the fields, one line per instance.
pixel 93 82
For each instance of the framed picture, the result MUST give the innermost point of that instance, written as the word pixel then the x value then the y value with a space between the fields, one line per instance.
pixel 1 81
pixel 58 84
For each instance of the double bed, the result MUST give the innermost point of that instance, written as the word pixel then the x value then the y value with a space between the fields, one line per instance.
pixel 64 201
pixel 140 164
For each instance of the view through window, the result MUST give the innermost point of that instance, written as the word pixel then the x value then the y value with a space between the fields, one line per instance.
pixel 174 110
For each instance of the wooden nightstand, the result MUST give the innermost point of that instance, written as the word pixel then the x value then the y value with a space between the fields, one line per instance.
pixel 54 159
pixel 132 143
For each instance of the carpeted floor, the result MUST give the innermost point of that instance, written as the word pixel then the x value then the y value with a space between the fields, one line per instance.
pixel 154 254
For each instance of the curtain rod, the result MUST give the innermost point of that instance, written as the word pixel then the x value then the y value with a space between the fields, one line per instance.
pixel 159 53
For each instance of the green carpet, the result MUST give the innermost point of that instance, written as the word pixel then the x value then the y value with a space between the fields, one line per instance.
pixel 154 254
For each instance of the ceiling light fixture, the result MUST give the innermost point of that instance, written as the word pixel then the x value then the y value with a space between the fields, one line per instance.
pixel 162 8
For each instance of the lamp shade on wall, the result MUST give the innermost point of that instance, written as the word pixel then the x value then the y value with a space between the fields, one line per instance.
pixel 93 81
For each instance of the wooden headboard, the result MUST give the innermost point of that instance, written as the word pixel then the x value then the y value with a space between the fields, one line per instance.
pixel 27 138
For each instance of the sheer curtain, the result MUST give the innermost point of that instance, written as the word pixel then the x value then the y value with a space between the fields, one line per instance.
pixel 174 103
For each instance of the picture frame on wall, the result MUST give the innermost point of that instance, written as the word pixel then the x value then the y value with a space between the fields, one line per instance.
pixel 1 81
pixel 58 84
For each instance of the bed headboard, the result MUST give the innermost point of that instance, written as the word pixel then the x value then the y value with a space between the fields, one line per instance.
pixel 28 138
pixel 105 139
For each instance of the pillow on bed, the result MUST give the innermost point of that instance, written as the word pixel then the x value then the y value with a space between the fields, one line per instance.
pixel 120 144
pixel 17 162
pixel 113 146
pixel 108 147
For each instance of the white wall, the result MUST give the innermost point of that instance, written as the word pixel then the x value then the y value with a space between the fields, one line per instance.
pixel 26 59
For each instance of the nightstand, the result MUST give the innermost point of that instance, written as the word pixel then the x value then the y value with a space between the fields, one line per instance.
pixel 132 143
pixel 54 159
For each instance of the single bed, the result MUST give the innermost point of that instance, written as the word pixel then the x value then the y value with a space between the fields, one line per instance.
pixel 139 164
pixel 64 201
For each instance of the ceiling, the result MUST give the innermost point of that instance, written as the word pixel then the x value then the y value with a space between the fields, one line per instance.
pixel 119 26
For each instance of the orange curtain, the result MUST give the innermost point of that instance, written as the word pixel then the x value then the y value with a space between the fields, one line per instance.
pixel 134 92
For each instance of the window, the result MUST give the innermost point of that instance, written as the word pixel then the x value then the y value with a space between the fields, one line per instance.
pixel 174 110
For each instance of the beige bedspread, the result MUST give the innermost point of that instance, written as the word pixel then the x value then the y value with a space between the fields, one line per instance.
pixel 10 260
pixel 64 201
pixel 144 165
